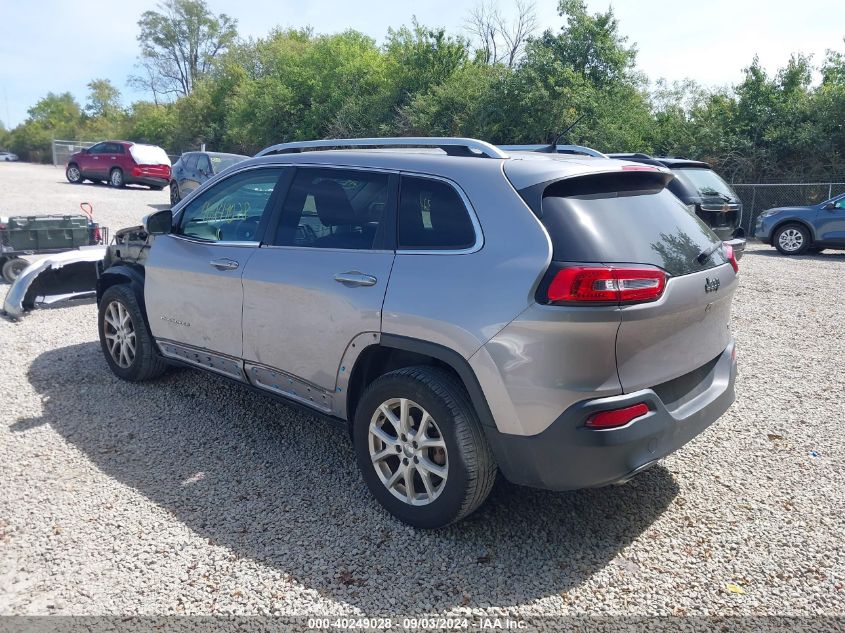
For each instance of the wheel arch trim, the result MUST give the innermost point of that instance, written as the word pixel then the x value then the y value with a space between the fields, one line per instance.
pixel 133 276
pixel 447 356
pixel 793 220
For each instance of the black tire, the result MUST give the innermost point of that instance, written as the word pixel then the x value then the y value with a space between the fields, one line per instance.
pixel 73 174
pixel 116 178
pixel 792 239
pixel 146 362
pixel 12 268
pixel 471 469
pixel 175 196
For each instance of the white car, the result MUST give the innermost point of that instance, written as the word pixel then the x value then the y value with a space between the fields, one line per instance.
pixel 8 156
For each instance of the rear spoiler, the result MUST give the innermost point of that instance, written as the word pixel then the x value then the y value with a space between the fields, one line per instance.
pixel 646 179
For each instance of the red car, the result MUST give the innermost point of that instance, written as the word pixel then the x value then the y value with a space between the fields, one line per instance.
pixel 120 163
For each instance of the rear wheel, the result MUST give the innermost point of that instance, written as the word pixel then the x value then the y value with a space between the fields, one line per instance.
pixel 792 239
pixel 124 338
pixel 12 268
pixel 420 447
pixel 116 177
pixel 73 174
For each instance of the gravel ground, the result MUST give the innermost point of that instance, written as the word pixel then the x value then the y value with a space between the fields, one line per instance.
pixel 188 495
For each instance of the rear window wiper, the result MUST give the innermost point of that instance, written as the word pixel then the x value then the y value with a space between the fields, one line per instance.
pixel 704 255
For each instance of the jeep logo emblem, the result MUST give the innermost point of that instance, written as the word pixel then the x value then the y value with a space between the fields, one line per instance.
pixel 711 285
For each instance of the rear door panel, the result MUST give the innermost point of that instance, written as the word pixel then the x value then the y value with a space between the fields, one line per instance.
pixel 299 319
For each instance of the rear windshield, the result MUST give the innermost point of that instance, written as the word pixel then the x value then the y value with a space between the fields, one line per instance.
pixel 591 220
pixel 705 181
pixel 148 155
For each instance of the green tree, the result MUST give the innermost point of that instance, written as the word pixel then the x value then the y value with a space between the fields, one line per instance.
pixel 590 44
pixel 421 57
pixel 54 116
pixel 103 99
pixel 179 44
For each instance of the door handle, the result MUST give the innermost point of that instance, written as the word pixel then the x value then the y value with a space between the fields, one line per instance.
pixel 354 278
pixel 224 264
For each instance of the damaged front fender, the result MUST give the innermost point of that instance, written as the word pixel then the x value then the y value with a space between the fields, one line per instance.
pixel 68 275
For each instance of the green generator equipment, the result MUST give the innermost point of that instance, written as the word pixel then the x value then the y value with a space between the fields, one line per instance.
pixel 40 234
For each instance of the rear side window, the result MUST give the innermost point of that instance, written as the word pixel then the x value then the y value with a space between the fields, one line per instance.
pixel 334 208
pixel 626 219
pixel 203 164
pixel 191 162
pixel 432 216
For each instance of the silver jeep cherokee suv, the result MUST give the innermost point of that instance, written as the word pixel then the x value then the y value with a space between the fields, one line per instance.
pixel 561 319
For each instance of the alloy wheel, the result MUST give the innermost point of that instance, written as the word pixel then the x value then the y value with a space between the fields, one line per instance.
pixel 408 451
pixel 116 178
pixel 119 332
pixel 73 174
pixel 791 240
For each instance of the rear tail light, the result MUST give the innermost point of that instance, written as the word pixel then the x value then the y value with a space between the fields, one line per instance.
pixel 617 417
pixel 731 256
pixel 606 284
pixel 136 171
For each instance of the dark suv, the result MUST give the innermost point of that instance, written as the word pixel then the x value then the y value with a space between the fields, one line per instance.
pixel 704 192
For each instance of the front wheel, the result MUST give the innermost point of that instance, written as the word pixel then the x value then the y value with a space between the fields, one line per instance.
pixel 73 175
pixel 124 338
pixel 792 239
pixel 420 447
pixel 116 178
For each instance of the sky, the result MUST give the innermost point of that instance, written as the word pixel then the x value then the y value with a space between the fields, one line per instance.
pixel 57 46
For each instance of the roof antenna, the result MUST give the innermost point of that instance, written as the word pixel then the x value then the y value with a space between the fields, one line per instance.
pixel 552 148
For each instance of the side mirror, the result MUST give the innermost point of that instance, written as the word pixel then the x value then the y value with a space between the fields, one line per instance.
pixel 830 206
pixel 159 223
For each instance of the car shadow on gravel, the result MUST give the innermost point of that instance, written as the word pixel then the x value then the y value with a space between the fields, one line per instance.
pixel 279 486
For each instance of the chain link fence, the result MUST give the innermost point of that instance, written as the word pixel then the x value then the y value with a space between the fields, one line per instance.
pixel 756 198
pixel 62 150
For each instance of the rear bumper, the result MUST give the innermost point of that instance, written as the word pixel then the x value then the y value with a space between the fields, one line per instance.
pixel 568 456
pixel 147 180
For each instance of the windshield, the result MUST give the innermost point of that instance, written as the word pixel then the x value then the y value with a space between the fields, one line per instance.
pixel 220 162
pixel 149 155
pixel 705 181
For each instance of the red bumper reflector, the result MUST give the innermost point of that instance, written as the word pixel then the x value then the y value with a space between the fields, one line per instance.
pixel 617 417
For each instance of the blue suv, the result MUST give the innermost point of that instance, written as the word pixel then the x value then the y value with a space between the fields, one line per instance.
pixel 799 230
